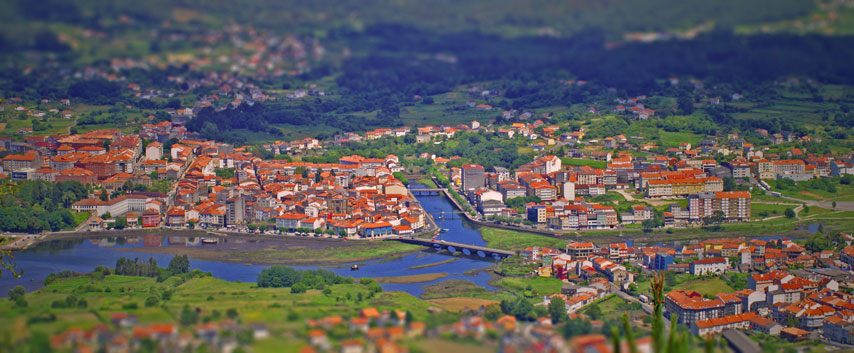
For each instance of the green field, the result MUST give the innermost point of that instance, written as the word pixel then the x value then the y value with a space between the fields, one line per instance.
pixel 54 126
pixel 329 254
pixel 707 287
pixel 762 210
pixel 673 139
pixel 575 162
pixel 533 287
pixel 803 191
pixel 612 307
pixel 80 217
pixel 272 306
pixel 513 240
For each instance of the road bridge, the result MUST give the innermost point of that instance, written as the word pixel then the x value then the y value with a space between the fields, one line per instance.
pixel 425 191
pixel 452 247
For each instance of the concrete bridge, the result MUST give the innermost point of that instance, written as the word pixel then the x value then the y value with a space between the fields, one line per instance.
pixel 465 249
pixel 425 191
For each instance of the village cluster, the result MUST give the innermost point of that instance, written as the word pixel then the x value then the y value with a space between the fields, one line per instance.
pixel 357 197
pixel 790 292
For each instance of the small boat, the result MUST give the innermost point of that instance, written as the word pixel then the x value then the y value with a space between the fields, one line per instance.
pixel 210 240
pixel 354 268
pixel 445 230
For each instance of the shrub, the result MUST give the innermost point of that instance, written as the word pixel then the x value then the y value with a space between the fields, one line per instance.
pixel 231 313
pixel 298 288
pixel 151 301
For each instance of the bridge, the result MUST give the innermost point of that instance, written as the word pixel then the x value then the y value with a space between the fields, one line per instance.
pixel 426 191
pixel 465 249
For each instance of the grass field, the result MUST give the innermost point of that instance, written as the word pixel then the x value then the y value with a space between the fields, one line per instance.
pixel 269 305
pixel 513 240
pixel 804 192
pixel 54 126
pixel 460 304
pixel 426 277
pixel 427 182
pixel 583 163
pixel 328 254
pixel 763 210
pixel 673 139
pixel 454 288
pixel 532 287
pixel 706 286
pixel 80 217
pixel 613 307
pixel 709 287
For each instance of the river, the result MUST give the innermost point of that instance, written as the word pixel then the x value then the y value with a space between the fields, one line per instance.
pixel 83 255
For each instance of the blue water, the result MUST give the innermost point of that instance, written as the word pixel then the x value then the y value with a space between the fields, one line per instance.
pixel 84 255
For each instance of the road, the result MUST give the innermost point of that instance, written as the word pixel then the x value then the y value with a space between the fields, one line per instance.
pixel 646 307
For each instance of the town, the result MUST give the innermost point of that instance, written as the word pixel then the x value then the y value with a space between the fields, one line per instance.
pixel 418 176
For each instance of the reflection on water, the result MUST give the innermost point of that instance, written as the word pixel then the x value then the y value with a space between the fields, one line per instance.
pixel 83 255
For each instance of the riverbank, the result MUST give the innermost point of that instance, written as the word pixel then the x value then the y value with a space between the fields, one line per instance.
pixel 289 252
pixel 416 267
pixel 248 249
pixel 422 278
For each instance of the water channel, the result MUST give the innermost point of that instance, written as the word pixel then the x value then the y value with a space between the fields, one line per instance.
pixel 83 255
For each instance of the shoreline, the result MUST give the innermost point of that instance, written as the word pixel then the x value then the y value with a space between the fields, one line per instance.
pixel 411 279
pixel 416 267
pixel 249 257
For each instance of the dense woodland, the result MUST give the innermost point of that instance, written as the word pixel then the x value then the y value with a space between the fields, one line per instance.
pixel 301 280
pixel 32 206
pixel 393 69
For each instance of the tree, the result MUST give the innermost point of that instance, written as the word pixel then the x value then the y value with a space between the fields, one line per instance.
pixel 790 213
pixel 188 316
pixel 557 310
pixel 103 196
pixel 577 327
pixel 716 218
pixel 648 225
pixel 686 104
pixel 16 293
pixel 594 311
pixel 231 313
pixel 522 309
pixel 278 276
pixel 121 223
pixel 300 287
pixel 492 312
pixel 179 264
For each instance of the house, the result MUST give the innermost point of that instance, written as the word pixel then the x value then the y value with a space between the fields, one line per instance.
pixel 290 220
pixel 579 250
pixel 709 266
pixel 690 306
pixel 376 229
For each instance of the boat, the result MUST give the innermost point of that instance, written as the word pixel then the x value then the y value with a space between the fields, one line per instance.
pixel 354 268
pixel 445 230
pixel 210 240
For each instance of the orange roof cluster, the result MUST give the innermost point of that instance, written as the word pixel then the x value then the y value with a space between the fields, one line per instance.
pixel 726 320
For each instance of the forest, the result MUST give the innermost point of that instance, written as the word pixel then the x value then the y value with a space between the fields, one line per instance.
pixel 32 206
pixel 396 64
pixel 484 149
